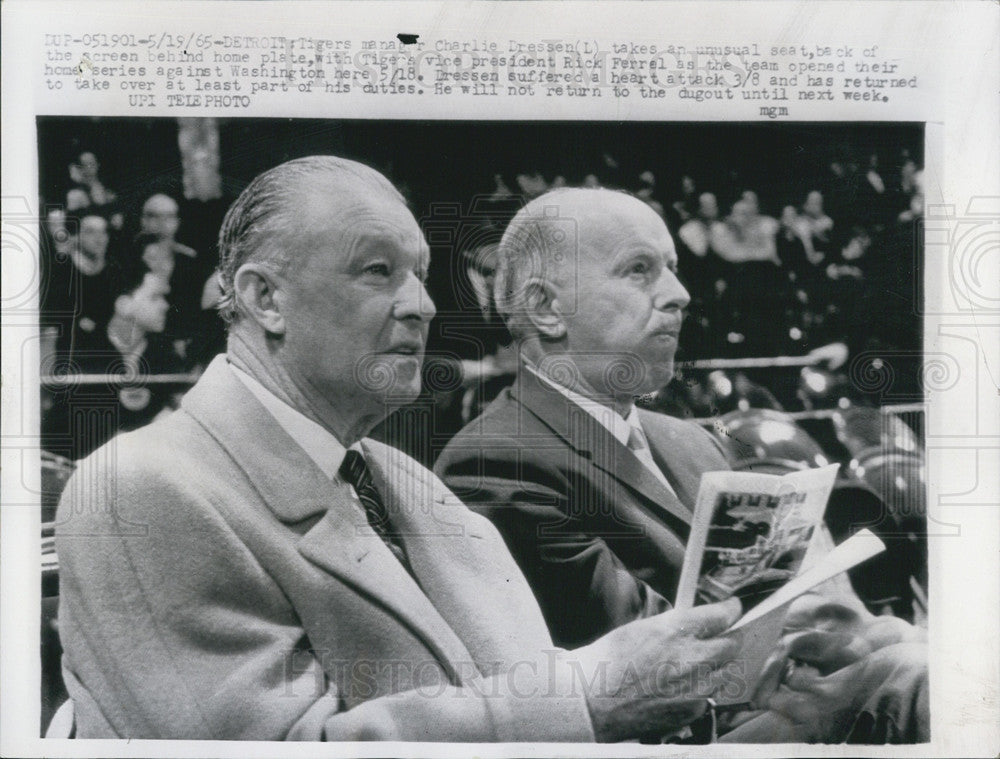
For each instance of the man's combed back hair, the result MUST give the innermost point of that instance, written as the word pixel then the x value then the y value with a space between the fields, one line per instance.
pixel 263 222
pixel 538 244
pixel 532 243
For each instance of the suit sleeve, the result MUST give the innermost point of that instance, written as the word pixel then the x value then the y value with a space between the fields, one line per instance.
pixel 584 589
pixel 172 629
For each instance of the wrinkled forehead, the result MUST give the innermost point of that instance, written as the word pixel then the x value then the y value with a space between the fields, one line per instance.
pixel 617 225
pixel 357 218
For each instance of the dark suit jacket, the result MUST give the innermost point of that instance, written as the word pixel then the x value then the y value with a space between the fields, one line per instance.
pixel 216 584
pixel 599 537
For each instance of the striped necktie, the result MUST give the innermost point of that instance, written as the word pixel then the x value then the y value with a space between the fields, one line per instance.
pixel 355 471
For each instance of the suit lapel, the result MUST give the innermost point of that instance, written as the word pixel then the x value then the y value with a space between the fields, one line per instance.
pixel 672 455
pixel 294 489
pixel 590 438
pixel 342 543
pixel 463 564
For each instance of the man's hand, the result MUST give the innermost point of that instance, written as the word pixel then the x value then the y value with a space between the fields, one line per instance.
pixel 653 675
pixel 832 656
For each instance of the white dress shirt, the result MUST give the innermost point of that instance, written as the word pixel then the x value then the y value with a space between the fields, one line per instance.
pixel 318 443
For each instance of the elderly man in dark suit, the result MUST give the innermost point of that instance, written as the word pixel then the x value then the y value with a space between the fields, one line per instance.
pixel 594 496
pixel 254 567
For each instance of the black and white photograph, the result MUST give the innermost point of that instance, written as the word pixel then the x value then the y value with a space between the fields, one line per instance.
pixel 334 413
pixel 563 324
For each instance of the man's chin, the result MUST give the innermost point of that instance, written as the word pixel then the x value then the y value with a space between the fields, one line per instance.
pixel 659 376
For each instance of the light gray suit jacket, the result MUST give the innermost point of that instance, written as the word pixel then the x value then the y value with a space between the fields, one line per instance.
pixel 215 584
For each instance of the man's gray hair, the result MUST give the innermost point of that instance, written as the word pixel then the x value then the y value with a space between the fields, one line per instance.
pixel 539 243
pixel 263 222
pixel 532 248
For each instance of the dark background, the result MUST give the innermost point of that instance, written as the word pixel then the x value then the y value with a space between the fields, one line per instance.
pixel 437 163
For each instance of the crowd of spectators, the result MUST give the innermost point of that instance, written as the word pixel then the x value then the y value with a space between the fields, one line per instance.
pixel 832 260
pixel 835 258
pixel 830 264
pixel 121 298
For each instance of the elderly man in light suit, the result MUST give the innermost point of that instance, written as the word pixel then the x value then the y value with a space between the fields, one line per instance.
pixel 253 567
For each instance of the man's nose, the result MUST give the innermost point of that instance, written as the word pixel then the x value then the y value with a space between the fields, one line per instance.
pixel 670 294
pixel 414 302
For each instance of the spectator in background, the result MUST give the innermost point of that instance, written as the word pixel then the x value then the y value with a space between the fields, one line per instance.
pixel 697 232
pixel 193 292
pixel 747 235
pixel 500 191
pixel 873 202
pixel 647 186
pixel 792 247
pixel 908 178
pixel 842 189
pixel 532 185
pixel 816 228
pixel 76 294
pixel 160 221
pixel 85 416
pixel 747 242
pixel 89 193
pixel 801 266
pixel 702 271
pixel 683 207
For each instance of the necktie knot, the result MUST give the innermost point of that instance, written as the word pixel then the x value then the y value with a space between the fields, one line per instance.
pixel 355 471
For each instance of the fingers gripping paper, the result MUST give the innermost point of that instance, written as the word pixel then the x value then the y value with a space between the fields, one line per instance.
pixel 759 537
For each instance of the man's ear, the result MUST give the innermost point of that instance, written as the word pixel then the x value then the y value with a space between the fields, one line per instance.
pixel 254 287
pixel 542 310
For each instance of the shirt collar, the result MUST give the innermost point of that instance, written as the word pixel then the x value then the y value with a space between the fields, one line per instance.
pixel 608 418
pixel 318 443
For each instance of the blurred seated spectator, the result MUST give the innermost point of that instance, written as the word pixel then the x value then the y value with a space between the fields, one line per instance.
pixel 89 193
pixel 698 269
pixel 130 347
pixel 532 185
pixel 500 191
pixel 75 297
pixel 684 207
pixel 160 222
pixel 753 285
pixel 915 210
pixel 747 235
pixel 876 205
pixel 796 255
pixel 909 178
pixel 697 232
pixel 191 322
pixel 647 186
pixel 855 249
pixel 815 227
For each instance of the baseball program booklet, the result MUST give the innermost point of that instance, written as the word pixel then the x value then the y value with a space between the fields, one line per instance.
pixel 759 537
